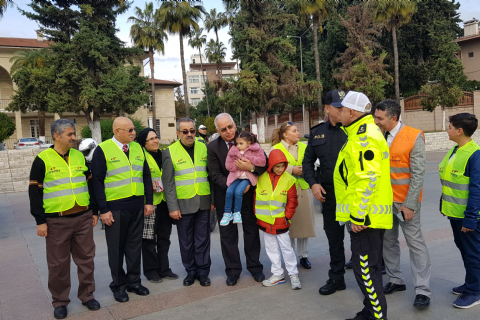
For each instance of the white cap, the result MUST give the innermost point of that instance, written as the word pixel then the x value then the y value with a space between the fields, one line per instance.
pixel 202 127
pixel 357 101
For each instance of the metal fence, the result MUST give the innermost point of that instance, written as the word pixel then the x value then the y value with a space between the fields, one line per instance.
pixel 413 102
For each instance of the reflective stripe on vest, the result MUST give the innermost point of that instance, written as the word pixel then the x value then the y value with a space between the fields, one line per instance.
pixel 156 173
pixel 455 186
pixel 124 176
pixel 270 204
pixel 292 162
pixel 64 184
pixel 190 179
pixel 400 174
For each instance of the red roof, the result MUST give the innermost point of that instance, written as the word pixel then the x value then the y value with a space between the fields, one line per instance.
pixel 23 43
pixel 468 37
pixel 165 82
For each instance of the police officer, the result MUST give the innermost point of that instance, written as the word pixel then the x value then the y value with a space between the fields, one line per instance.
pixel 202 134
pixel 326 140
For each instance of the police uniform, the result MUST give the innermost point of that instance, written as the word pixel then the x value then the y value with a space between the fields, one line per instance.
pixel 324 143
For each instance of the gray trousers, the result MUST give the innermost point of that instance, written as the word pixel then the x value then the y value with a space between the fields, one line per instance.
pixel 302 247
pixel 419 257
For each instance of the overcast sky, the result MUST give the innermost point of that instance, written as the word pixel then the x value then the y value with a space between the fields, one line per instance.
pixel 168 66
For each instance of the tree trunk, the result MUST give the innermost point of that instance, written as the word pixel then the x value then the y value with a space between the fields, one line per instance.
pixel 184 74
pixel 154 110
pixel 395 54
pixel 261 127
pixel 94 125
pixel 41 124
pixel 317 66
pixel 216 34
pixel 204 81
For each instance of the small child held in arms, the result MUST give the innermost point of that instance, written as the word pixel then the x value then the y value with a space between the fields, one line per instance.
pixel 239 181
pixel 275 204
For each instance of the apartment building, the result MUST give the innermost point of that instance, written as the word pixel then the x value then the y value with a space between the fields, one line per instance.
pixel 470 49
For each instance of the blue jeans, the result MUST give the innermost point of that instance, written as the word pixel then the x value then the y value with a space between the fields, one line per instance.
pixel 236 189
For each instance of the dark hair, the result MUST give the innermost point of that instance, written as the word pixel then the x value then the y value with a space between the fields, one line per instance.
pixel 467 121
pixel 247 136
pixel 278 133
pixel 391 107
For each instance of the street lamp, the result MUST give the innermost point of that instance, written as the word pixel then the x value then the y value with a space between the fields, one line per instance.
pixel 301 70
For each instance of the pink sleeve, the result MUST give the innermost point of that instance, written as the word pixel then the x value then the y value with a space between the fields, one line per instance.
pixel 230 162
pixel 258 158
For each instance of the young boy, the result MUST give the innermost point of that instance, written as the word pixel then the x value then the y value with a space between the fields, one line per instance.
pixel 460 177
pixel 275 203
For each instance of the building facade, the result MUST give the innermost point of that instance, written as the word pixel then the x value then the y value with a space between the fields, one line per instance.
pixel 470 50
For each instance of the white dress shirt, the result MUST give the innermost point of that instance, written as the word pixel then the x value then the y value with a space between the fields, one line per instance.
pixel 393 133
pixel 119 144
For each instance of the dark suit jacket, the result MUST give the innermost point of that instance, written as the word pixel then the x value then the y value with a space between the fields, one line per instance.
pixel 217 155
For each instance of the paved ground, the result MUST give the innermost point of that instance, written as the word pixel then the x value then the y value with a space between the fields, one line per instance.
pixel 24 294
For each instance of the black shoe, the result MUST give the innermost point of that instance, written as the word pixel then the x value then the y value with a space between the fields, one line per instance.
pixel 305 263
pixel 121 296
pixel 92 304
pixel 232 280
pixel 204 281
pixel 392 287
pixel 140 290
pixel 349 264
pixel 358 316
pixel 170 276
pixel 60 312
pixel 188 281
pixel 259 276
pixel 421 301
pixel 332 286
pixel 155 279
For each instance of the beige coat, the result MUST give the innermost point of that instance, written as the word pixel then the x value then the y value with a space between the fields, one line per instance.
pixel 303 221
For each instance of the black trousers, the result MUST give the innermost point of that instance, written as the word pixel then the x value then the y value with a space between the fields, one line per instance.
pixel 229 238
pixel 335 235
pixel 194 238
pixel 124 239
pixel 367 248
pixel 155 251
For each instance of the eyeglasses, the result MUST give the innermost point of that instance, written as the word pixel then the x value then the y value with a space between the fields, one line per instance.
pixel 230 126
pixel 153 139
pixel 129 130
pixel 185 132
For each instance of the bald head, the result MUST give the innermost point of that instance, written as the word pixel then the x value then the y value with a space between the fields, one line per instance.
pixel 124 130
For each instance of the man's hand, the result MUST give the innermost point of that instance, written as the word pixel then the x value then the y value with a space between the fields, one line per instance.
pixel 356 228
pixel 175 215
pixel 246 189
pixel 318 192
pixel 407 213
pixel 148 209
pixel 244 164
pixel 95 220
pixel 107 218
pixel 297 170
pixel 466 230
pixel 212 207
pixel 42 230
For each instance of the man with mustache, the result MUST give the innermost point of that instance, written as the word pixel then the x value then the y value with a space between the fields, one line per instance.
pixel 123 187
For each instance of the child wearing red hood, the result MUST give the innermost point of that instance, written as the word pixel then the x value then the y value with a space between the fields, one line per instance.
pixel 275 203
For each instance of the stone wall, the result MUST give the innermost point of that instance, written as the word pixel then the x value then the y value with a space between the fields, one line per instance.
pixel 15 168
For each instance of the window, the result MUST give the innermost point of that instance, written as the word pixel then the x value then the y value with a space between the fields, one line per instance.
pixel 204 78
pixel 193 61
pixel 470 54
pixel 225 68
pixel 194 90
pixel 195 101
pixel 193 79
pixel 34 128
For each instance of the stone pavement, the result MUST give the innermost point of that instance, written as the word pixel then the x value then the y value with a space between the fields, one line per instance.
pixel 24 293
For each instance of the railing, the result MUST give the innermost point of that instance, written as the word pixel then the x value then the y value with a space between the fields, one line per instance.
pixel 413 102
pixel 4 104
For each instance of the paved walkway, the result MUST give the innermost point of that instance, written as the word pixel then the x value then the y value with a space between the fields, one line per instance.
pixel 24 293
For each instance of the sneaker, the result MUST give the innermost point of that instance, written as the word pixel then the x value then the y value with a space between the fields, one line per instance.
pixel 237 217
pixel 467 300
pixel 227 217
pixel 274 280
pixel 296 285
pixel 458 290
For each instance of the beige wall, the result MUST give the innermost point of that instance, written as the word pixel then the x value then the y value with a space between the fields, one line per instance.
pixel 165 112
pixel 471 64
pixel 6 85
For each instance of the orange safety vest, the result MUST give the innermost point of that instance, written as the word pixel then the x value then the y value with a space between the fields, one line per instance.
pixel 400 149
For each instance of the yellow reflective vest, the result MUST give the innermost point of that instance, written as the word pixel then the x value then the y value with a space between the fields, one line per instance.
pixel 455 186
pixel 363 188
pixel 270 204
pixel 124 175
pixel 190 179
pixel 64 184
pixel 156 173
pixel 291 161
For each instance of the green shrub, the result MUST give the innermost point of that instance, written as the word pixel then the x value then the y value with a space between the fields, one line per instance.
pixel 7 126
pixel 106 125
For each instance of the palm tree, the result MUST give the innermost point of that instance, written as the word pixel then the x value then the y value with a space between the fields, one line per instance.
pixel 230 16
pixel 215 52
pixel 394 14
pixel 147 34
pixel 179 17
pixel 215 21
pixel 3 6
pixel 197 40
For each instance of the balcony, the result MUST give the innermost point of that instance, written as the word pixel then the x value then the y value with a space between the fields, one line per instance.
pixel 4 104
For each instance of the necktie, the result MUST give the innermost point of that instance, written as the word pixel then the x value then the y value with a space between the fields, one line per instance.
pixel 125 148
pixel 230 145
pixel 386 135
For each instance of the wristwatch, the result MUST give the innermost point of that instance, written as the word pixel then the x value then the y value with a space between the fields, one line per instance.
pixel 253 169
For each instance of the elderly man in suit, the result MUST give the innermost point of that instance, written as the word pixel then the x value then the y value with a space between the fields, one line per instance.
pixel 217 154
pixel 407 170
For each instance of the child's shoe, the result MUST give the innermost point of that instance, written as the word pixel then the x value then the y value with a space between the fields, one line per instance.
pixel 296 285
pixel 237 217
pixel 273 280
pixel 467 300
pixel 227 217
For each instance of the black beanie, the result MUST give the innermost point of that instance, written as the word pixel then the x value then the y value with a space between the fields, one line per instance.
pixel 142 136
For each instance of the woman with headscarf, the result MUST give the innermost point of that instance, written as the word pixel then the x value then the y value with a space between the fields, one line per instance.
pixel 158 226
